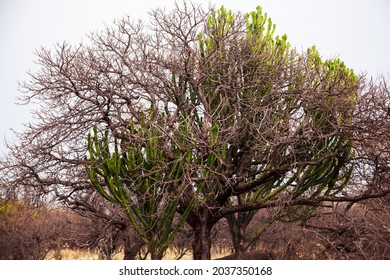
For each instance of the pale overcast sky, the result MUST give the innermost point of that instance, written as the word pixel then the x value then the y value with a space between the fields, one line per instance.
pixel 356 31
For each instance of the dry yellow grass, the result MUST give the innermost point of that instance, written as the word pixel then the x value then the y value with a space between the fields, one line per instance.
pixel 77 254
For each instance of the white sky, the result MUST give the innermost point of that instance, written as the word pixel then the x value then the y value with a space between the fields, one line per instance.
pixel 356 31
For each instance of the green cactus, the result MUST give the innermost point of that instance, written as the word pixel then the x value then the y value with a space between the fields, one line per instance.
pixel 141 178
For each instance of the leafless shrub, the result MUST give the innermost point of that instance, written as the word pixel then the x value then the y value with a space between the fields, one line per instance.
pixel 362 232
pixel 27 233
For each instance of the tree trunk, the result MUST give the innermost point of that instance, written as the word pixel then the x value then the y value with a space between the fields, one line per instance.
pixel 154 257
pixel 133 245
pixel 239 248
pixel 202 224
pixel 239 242
pixel 202 242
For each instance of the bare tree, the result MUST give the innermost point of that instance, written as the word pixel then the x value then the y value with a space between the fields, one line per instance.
pixel 26 232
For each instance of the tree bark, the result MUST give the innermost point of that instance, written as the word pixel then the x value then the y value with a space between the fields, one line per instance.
pixel 133 245
pixel 202 242
pixel 240 244
pixel 202 224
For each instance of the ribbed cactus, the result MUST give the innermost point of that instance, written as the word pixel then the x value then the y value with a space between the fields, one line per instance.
pixel 144 180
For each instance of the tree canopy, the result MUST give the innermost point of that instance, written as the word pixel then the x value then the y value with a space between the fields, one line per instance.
pixel 237 120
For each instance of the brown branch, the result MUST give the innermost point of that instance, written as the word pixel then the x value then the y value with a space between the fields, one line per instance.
pixel 300 201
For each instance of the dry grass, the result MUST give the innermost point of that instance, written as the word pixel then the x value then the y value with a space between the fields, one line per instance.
pixel 78 254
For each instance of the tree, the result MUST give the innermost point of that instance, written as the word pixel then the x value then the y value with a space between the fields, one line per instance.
pixel 324 170
pixel 26 232
pixel 255 120
pixel 253 124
